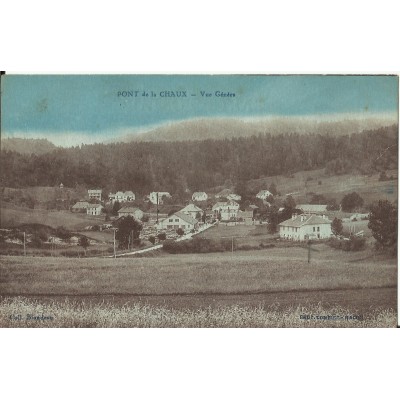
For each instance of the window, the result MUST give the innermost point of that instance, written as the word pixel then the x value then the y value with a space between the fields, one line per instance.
pixel 313 228
pixel 176 220
pixel 170 220
pixel 318 229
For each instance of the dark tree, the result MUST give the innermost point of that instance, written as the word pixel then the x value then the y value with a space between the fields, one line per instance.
pixel 116 207
pixel 180 231
pixel 273 219
pixel 152 239
pixel 84 242
pixel 332 205
pixel 289 203
pixel 352 201
pixel 128 231
pixel 337 226
pixel 383 223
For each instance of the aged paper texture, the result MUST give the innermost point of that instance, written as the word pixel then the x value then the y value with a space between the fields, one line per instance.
pixel 198 201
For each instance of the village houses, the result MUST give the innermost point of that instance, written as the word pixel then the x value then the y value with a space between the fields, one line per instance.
pixel 121 197
pixel 199 196
pixel 192 210
pixel 94 209
pixel 157 197
pixel 179 220
pixel 305 227
pixel 95 194
pixel 132 211
pixel 227 210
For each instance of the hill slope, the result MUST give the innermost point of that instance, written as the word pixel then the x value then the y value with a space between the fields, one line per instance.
pixel 225 128
pixel 27 146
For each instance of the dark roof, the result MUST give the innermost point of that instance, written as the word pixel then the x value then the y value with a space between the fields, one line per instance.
pixel 307 220
pixel 312 207
pixel 129 209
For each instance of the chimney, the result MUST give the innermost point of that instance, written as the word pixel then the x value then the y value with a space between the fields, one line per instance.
pixel 294 216
pixel 324 216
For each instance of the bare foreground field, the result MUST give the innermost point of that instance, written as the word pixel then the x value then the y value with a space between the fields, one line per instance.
pixel 263 288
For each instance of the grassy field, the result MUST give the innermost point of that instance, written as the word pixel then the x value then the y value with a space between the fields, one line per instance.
pixel 12 216
pixel 22 312
pixel 369 187
pixel 243 235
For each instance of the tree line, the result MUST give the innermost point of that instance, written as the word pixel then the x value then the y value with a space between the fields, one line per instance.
pixel 199 165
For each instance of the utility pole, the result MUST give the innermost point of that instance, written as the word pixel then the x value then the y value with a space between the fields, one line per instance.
pixel 157 207
pixel 24 244
pixel 309 251
pixel 115 254
pixel 232 245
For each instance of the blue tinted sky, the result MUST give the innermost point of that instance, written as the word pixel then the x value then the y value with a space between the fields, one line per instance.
pixel 90 103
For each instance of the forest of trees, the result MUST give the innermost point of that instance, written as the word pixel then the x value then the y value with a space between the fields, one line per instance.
pixel 199 165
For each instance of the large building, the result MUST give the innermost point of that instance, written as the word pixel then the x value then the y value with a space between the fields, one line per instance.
pixel 178 220
pixel 305 227
pixel 122 197
pixel 95 194
pixel 225 210
pixel 94 209
pixel 135 212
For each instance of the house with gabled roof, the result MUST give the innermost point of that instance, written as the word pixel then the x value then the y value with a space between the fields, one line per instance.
pixel 134 212
pixel 192 210
pixel 305 227
pixel 80 206
pixel 179 220
pixel 199 196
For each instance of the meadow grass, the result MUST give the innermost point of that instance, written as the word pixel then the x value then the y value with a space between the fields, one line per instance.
pixel 260 271
pixel 67 314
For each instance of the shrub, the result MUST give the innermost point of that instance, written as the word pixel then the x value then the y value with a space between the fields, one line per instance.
pixel 180 232
pixel 162 236
pixel 152 239
pixel 354 244
pixel 63 233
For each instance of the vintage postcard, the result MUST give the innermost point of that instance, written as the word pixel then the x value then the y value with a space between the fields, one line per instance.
pixel 199 201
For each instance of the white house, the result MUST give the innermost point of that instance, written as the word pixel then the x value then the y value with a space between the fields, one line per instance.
pixel 359 216
pixel 192 210
pixel 122 196
pixel 80 206
pixel 312 208
pixel 94 209
pixel 305 227
pixel 157 197
pixel 264 194
pixel 199 196
pixel 132 211
pixel 95 194
pixel 178 220
pixel 226 209
pixel 234 197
